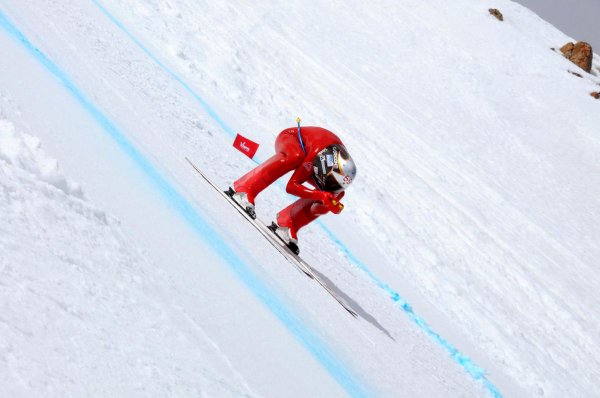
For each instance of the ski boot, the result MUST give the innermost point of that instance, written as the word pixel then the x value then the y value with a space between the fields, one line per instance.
pixel 241 198
pixel 285 235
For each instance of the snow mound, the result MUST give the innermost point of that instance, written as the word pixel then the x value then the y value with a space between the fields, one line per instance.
pixel 25 152
pixel 82 309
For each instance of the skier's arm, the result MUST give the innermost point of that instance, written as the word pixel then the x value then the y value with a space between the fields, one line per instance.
pixel 334 206
pixel 300 176
pixel 329 200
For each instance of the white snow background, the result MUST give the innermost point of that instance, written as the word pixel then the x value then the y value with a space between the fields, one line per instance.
pixel 469 241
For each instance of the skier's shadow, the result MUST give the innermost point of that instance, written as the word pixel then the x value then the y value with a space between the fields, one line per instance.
pixel 357 308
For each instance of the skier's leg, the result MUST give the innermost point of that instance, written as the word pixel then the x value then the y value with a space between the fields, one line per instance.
pixel 288 157
pixel 299 214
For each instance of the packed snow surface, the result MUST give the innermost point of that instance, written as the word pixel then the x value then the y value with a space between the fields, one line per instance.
pixel 82 310
pixel 469 242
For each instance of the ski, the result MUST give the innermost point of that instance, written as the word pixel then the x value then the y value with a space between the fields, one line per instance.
pixel 300 264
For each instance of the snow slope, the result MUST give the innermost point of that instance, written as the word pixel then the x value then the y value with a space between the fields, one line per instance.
pixel 83 311
pixel 477 197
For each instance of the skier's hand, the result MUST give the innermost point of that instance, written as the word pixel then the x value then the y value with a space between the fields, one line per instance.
pixel 336 207
pixel 330 202
pixel 324 197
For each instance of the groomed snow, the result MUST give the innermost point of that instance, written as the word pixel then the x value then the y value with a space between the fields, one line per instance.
pixel 81 305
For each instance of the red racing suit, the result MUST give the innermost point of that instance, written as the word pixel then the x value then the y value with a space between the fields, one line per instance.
pixel 290 156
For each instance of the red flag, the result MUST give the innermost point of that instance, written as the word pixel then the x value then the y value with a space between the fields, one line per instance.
pixel 246 146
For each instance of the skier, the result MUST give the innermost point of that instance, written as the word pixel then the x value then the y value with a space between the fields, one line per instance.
pixel 318 157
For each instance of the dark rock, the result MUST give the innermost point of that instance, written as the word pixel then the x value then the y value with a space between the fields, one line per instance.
pixel 595 94
pixel 495 12
pixel 575 73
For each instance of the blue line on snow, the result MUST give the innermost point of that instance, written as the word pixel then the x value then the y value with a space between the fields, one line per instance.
pixel 214 115
pixel 307 338
pixel 464 361
pixel 472 369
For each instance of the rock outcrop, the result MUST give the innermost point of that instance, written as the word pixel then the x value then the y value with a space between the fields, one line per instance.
pixel 580 54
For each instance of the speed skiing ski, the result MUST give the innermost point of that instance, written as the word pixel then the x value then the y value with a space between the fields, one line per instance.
pixel 272 238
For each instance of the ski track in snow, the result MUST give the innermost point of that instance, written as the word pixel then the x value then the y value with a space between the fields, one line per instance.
pixel 471 368
pixel 487 227
pixel 320 352
pixel 305 336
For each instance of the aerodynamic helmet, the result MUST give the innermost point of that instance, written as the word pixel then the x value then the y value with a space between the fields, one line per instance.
pixel 334 169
